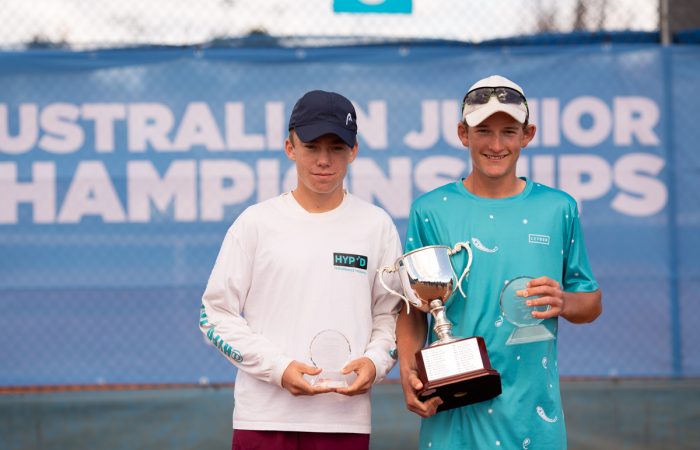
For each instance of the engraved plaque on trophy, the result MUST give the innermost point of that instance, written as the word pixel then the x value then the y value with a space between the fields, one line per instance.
pixel 458 370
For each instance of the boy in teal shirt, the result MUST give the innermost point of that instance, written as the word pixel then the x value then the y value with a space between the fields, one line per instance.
pixel 516 227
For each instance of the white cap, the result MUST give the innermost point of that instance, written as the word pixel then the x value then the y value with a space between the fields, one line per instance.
pixel 475 114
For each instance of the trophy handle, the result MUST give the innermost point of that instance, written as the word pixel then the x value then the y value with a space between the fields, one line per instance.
pixel 459 246
pixel 381 280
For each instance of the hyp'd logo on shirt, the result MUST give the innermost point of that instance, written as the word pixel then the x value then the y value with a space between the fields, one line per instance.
pixel 348 261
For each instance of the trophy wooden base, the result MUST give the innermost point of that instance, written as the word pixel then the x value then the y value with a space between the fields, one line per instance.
pixel 459 372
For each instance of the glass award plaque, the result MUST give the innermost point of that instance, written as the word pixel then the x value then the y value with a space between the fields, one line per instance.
pixel 515 310
pixel 330 351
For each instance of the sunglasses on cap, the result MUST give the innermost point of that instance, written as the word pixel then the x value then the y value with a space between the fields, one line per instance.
pixel 481 96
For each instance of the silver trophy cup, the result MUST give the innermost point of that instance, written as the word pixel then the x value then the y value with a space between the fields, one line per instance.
pixel 428 281
pixel 458 370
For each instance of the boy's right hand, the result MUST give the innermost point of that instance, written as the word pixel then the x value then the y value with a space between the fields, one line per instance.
pixel 411 384
pixel 293 379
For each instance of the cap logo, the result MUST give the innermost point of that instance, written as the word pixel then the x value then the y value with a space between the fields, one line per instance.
pixel 348 119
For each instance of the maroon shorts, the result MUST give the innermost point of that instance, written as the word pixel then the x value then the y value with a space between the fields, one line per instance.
pixel 297 440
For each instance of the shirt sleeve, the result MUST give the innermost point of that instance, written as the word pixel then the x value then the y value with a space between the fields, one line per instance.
pixel 577 276
pixel 221 318
pixel 381 348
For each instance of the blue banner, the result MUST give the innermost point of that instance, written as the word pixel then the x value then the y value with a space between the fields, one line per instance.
pixel 120 172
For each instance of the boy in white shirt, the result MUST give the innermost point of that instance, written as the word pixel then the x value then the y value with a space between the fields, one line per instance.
pixel 291 267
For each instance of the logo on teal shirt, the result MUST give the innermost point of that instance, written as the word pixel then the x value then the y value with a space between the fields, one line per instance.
pixel 542 239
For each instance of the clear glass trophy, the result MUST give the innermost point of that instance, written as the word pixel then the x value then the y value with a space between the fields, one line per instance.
pixel 330 351
pixel 515 310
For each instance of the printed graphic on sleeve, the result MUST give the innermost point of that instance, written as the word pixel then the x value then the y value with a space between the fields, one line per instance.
pixel 216 340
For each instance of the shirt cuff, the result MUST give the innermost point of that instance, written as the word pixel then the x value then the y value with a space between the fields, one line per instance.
pixel 278 368
pixel 380 363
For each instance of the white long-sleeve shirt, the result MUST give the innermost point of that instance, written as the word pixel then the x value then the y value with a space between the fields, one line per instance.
pixel 283 275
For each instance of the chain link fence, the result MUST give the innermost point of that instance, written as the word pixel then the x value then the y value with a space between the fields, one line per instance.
pixel 81 24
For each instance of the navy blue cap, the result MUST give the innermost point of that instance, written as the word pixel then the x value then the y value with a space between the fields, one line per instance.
pixel 320 112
